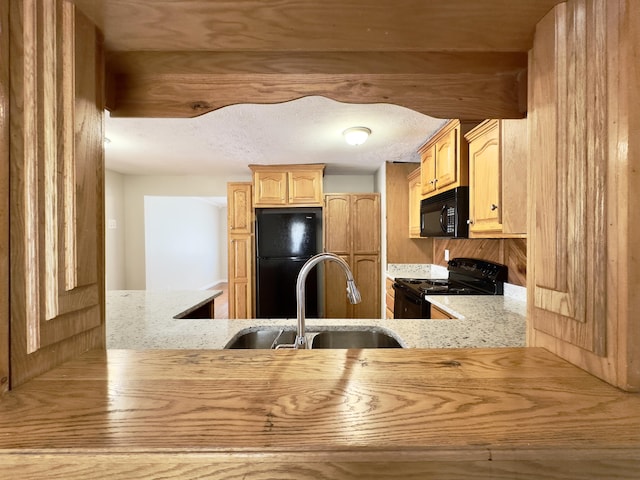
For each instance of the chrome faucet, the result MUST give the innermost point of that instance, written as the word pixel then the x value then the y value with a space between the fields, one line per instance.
pixel 352 293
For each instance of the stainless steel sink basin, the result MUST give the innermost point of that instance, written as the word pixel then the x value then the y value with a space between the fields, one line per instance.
pixel 354 339
pixel 261 339
pixel 266 338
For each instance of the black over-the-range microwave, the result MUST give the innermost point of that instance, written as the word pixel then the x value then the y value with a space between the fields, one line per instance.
pixel 445 214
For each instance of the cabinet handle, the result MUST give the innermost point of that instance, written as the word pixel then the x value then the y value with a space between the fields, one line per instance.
pixel 494 206
pixel 469 222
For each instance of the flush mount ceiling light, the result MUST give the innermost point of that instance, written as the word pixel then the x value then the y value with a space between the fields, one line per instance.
pixel 356 135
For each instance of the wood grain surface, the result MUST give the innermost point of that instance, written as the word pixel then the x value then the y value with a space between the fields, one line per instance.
pixel 4 196
pixel 582 282
pixel 511 252
pixel 446 58
pixel 56 192
pixel 330 413
pixel 401 248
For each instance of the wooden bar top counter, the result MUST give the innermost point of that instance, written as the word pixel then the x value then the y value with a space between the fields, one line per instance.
pixel 513 413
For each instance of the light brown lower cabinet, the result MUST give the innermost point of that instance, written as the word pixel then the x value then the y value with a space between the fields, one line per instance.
pixel 438 314
pixel 240 276
pixel 352 230
pixel 390 298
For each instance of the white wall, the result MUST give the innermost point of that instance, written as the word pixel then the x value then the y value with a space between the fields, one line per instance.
pixel 182 243
pixel 348 184
pixel 136 187
pixel 114 230
pixel 132 190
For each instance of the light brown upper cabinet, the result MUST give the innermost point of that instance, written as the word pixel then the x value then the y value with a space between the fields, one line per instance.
pixel 498 179
pixel 287 185
pixel 352 230
pixel 415 196
pixel 443 159
pixel 240 246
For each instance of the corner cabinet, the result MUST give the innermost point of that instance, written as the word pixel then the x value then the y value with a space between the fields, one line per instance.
pixel 352 231
pixel 498 179
pixel 240 238
pixel 443 159
pixel 287 185
pixel 415 196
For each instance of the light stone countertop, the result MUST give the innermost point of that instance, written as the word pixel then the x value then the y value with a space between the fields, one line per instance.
pixel 138 319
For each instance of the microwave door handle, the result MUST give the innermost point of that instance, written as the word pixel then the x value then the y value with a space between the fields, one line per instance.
pixel 443 225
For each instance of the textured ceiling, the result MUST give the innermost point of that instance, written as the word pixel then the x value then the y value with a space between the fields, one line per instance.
pixel 307 130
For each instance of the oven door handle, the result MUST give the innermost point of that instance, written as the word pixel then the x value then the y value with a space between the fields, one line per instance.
pixel 443 225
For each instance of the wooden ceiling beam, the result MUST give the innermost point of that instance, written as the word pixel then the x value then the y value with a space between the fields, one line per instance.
pixel 150 63
pixel 441 84
pixel 456 95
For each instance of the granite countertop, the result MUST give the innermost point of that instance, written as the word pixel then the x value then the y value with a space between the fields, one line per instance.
pixel 138 319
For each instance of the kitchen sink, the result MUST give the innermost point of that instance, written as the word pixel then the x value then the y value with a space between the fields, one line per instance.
pixel 266 339
pixel 262 339
pixel 354 339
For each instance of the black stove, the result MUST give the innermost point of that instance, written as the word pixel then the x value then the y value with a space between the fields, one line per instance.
pixel 467 276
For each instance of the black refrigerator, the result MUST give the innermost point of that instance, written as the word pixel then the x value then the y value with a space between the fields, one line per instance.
pixel 285 239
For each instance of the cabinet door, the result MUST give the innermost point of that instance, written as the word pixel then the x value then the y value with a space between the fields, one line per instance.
pixel 352 229
pixel 270 188
pixel 240 276
pixel 366 223
pixel 438 314
pixel 239 208
pixel 485 192
pixel 366 271
pixel 414 204
pixel 337 224
pixel 336 303
pixel 446 160
pixel 428 170
pixel 305 187
pixel 57 178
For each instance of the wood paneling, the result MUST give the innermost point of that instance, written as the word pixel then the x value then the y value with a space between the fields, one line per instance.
pixel 515 257
pixel 437 95
pixel 511 252
pixel 401 248
pixel 309 26
pixel 444 58
pixel 320 414
pixel 515 145
pixel 4 197
pixel 57 261
pixel 583 170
